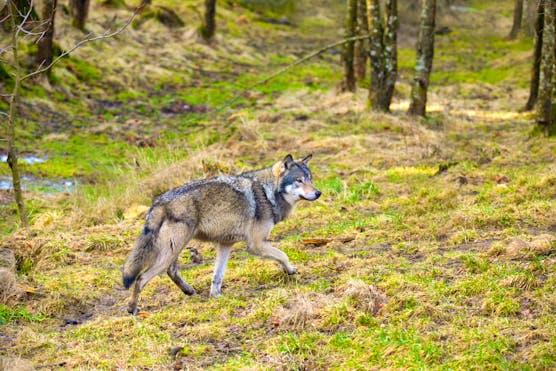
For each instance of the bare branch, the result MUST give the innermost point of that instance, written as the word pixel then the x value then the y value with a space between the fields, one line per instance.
pixel 6 49
pixel 289 67
pixel 5 18
pixel 24 20
pixel 105 35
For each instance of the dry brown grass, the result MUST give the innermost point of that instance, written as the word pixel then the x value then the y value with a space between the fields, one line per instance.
pixel 303 310
pixel 8 286
pixel 366 297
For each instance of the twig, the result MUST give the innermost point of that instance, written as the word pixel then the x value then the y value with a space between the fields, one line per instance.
pixel 289 67
pixel 89 38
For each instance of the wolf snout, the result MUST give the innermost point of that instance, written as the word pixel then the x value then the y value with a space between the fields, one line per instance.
pixel 314 196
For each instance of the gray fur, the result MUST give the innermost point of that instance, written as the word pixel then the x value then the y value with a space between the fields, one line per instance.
pixel 224 210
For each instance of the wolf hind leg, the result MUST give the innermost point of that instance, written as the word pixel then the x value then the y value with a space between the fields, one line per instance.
pixel 175 276
pixel 222 255
pixel 171 239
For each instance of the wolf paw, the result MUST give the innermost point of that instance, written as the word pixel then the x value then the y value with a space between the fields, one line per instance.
pixel 292 271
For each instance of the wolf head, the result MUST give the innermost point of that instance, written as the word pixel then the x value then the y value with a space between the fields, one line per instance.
pixel 295 180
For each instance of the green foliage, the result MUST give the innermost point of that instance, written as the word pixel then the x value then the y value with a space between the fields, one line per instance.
pixel 18 313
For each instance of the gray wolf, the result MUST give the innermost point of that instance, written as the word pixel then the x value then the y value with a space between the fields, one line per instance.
pixel 223 210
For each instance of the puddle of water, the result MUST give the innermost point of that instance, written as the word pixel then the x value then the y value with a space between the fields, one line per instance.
pixel 29 183
pixel 27 159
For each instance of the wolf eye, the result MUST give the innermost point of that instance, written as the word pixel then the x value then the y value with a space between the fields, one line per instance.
pixel 299 180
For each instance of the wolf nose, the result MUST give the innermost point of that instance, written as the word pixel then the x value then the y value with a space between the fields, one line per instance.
pixel 318 193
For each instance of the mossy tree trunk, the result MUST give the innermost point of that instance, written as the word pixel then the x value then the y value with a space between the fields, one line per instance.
pixel 518 16
pixel 12 115
pixel 79 12
pixel 382 53
pixel 425 53
pixel 361 46
pixel 45 51
pixel 208 28
pixel 537 53
pixel 545 118
pixel 348 80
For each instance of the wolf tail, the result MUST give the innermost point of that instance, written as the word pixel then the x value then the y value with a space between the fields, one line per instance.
pixel 143 253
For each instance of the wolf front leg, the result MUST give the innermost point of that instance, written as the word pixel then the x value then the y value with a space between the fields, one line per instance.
pixel 265 250
pixel 222 255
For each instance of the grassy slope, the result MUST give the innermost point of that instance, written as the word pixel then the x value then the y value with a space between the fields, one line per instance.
pixel 465 257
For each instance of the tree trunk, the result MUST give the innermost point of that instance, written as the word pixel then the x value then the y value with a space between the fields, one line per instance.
pixel 44 47
pixel 536 67
pixel 375 54
pixel 79 11
pixel 425 53
pixel 348 80
pixel 382 53
pixel 12 149
pixel 361 46
pixel 518 15
pixel 545 119
pixel 390 53
pixel 209 23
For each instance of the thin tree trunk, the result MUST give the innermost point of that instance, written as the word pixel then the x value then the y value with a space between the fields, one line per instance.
pixel 545 119
pixel 390 53
pixel 12 149
pixel 375 54
pixel 209 24
pixel 348 80
pixel 518 15
pixel 45 44
pixel 425 53
pixel 80 11
pixel 361 46
pixel 536 67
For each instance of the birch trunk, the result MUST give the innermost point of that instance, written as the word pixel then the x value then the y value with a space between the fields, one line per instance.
pixel 361 46
pixel 545 118
pixel 425 53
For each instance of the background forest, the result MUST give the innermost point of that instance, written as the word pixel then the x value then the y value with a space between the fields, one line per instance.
pixel 432 246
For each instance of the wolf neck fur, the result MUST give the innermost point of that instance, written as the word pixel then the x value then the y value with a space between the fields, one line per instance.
pixel 281 208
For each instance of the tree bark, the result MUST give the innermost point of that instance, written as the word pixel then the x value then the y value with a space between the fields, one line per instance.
pixel 375 53
pixel 425 53
pixel 80 11
pixel 382 53
pixel 545 118
pixel 518 16
pixel 348 80
pixel 537 53
pixel 361 46
pixel 12 149
pixel 390 53
pixel 45 43
pixel 209 23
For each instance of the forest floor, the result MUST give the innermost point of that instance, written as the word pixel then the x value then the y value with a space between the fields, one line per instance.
pixel 438 245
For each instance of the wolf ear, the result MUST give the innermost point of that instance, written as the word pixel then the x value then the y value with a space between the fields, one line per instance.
pixel 307 159
pixel 288 161
pixel 279 168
